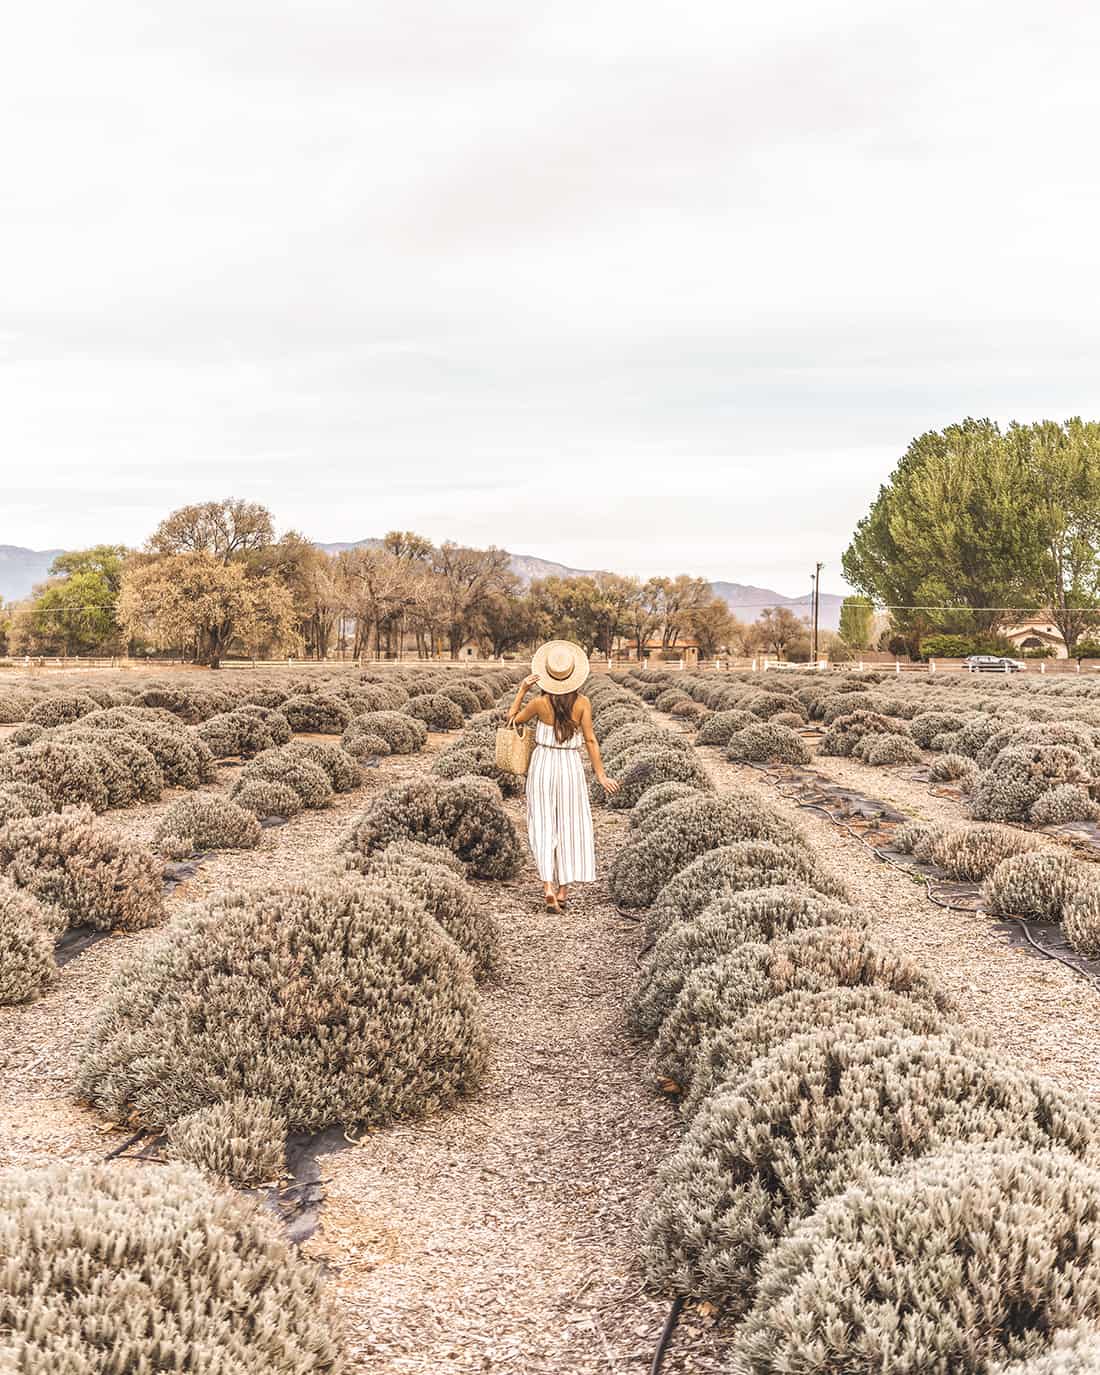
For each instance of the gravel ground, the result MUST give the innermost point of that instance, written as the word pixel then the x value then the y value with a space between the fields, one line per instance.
pixel 497 1237
pixel 907 794
pixel 1035 1008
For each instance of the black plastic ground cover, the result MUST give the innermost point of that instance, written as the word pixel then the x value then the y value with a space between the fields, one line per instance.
pixel 874 823
pixel 179 872
pixel 75 941
pixel 297 1203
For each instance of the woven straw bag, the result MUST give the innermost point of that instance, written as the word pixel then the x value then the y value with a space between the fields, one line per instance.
pixel 514 746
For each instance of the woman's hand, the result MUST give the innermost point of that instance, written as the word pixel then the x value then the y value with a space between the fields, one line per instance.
pixel 530 680
pixel 609 785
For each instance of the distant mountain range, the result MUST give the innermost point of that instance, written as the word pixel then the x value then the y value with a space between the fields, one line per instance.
pixel 22 569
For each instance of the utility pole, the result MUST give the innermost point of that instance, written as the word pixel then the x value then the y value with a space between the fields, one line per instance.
pixel 816 607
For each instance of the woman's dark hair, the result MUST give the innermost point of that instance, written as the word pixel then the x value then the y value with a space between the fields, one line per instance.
pixel 561 704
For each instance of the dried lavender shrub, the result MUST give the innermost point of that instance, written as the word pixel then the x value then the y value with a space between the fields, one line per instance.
pixel 206 821
pixel 828 1296
pixel 338 1001
pixel 93 876
pixel 818 1114
pixel 466 816
pixel 242 1140
pixel 209 1282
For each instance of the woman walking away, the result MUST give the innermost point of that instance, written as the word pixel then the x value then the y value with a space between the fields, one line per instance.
pixel 559 820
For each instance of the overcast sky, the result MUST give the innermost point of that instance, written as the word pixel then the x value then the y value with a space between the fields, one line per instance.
pixel 646 286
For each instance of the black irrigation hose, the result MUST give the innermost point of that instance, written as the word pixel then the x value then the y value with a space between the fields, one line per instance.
pixel 666 1334
pixel 121 1150
pixel 1053 954
pixel 939 902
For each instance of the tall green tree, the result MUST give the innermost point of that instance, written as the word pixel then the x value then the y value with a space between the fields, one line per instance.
pixel 1062 501
pixel 857 615
pixel 75 612
pixel 949 543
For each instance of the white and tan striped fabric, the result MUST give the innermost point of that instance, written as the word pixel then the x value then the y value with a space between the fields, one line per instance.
pixel 559 819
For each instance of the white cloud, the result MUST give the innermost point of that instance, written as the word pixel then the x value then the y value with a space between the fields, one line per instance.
pixel 625 284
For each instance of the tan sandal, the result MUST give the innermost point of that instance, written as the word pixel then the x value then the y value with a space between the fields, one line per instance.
pixel 552 902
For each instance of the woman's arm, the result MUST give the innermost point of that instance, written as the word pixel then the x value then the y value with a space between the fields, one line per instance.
pixel 592 745
pixel 521 714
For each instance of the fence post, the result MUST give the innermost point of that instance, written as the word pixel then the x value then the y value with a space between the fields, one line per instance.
pixel 1042 665
pixel 931 665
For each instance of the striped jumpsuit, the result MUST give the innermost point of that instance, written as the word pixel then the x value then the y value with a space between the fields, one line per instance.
pixel 559 819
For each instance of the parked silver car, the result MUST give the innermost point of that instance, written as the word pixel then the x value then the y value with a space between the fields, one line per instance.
pixel 992 663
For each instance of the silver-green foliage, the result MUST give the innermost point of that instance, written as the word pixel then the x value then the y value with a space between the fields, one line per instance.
pixel 304 776
pixel 27 932
pixel 660 795
pixel 719 728
pixel 66 771
pixel 242 1140
pixel 266 797
pixel 1075 1351
pixel 1081 919
pixel 1035 884
pixel 466 816
pixel 767 743
pixel 1065 803
pixel 110 1270
pixel 404 734
pixel 722 928
pixel 845 732
pixel 447 897
pixel 719 993
pixel 93 876
pixel 641 768
pixel 677 833
pixel 946 768
pixel 342 770
pixel 206 821
pixel 316 713
pixel 244 732
pixel 881 751
pixel 1019 776
pixel 732 869
pixel 340 1001
pixel 435 710
pixel 821 1112
pixel 725 1055
pixel 944 1267
pixel 970 853
pixel 18 800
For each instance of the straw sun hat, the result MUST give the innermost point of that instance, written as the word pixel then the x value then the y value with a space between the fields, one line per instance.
pixel 560 666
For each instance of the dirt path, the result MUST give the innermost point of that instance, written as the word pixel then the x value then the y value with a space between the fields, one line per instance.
pixel 501 1236
pixel 497 1237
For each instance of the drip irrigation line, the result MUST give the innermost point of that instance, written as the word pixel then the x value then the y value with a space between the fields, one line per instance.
pixel 880 855
pixel 666 1334
pixel 121 1150
pixel 1053 954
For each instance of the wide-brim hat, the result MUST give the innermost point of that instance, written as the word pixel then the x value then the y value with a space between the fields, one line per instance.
pixel 560 666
